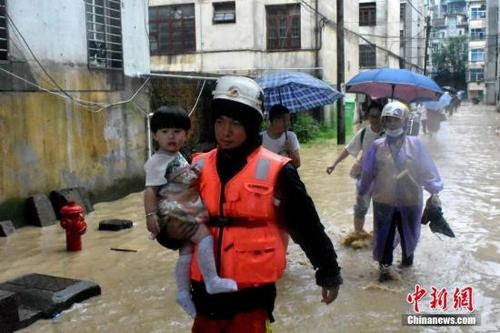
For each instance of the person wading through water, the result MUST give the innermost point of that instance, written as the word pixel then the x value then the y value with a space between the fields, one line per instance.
pixel 360 143
pixel 251 194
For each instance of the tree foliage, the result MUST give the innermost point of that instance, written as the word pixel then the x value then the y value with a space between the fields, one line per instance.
pixel 450 62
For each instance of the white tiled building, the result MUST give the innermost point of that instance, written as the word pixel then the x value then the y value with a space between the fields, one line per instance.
pixel 248 37
pixel 476 87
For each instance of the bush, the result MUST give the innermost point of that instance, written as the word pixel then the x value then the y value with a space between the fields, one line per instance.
pixel 306 127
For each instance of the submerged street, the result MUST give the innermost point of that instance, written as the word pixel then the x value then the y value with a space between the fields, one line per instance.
pixel 138 288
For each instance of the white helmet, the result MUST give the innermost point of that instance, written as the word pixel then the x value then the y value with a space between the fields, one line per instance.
pixel 242 90
pixel 395 109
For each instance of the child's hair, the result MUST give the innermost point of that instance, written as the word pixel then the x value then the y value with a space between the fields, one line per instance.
pixel 375 105
pixel 277 111
pixel 172 116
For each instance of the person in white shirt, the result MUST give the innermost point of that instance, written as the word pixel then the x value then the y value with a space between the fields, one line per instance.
pixel 422 110
pixel 277 138
pixel 360 143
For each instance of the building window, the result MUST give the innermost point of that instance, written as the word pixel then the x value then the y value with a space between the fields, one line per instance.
pixel 477 13
pixel 476 74
pixel 104 33
pixel 283 27
pixel 402 13
pixel 367 14
pixel 367 56
pixel 476 55
pixel 224 12
pixel 172 29
pixel 402 38
pixel 4 37
pixel 478 34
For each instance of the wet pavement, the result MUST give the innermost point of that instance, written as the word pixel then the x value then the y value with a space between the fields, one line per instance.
pixel 138 289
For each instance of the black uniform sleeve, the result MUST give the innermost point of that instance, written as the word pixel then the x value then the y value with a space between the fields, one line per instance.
pixel 298 216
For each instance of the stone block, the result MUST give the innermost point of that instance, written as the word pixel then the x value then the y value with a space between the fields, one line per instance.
pixel 49 294
pixel 27 317
pixel 87 203
pixel 6 228
pixel 61 197
pixel 39 211
pixel 115 224
pixel 9 316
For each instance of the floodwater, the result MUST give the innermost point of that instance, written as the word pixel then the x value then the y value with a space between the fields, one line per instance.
pixel 138 287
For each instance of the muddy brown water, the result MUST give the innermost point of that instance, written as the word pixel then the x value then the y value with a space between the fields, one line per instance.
pixel 138 287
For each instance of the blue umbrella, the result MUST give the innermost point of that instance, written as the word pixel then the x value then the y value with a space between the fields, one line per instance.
pixel 400 84
pixel 296 90
pixel 443 102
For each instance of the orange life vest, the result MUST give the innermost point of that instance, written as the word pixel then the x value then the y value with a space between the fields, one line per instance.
pixel 251 250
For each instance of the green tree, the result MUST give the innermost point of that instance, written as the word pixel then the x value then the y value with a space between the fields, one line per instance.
pixel 450 62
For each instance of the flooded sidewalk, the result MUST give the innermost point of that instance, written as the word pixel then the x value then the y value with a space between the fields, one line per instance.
pixel 138 288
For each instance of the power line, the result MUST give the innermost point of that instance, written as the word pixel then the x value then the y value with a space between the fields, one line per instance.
pixel 334 24
pixel 418 11
pixel 81 102
pixel 103 105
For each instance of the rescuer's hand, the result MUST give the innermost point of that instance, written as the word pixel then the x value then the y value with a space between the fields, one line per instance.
pixel 329 294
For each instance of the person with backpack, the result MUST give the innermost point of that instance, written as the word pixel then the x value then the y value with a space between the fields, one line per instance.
pixel 360 143
pixel 277 138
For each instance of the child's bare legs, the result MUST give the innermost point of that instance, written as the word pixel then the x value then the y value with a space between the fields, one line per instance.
pixel 183 280
pixel 206 261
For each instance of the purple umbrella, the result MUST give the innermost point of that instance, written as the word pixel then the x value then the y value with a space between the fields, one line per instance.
pixel 400 84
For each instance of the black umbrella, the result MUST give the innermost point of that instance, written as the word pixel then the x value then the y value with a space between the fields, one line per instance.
pixel 450 89
pixel 434 215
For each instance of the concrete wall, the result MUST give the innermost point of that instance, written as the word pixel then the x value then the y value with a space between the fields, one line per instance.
pixel 491 52
pixel 413 26
pixel 388 24
pixel 51 141
pixel 240 47
pixel 351 15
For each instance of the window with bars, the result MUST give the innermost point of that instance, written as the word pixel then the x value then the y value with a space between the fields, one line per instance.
pixel 4 37
pixel 402 12
pixel 477 13
pixel 476 55
pixel 224 12
pixel 367 56
pixel 476 74
pixel 283 27
pixel 172 29
pixel 367 14
pixel 478 34
pixel 104 34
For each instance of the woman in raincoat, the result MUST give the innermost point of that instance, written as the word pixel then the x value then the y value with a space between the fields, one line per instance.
pixel 397 167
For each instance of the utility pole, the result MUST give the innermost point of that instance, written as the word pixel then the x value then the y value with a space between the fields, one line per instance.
pixel 427 35
pixel 340 72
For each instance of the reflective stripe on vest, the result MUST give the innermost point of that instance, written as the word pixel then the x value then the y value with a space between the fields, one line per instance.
pixel 252 249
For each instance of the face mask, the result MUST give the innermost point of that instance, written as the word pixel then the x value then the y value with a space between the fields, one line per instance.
pixel 394 133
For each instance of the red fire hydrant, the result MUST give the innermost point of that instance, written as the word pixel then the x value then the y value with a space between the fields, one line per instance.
pixel 73 222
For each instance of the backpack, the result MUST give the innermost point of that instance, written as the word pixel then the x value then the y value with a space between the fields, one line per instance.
pixel 362 135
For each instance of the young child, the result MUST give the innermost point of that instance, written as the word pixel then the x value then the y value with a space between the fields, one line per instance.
pixel 174 210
